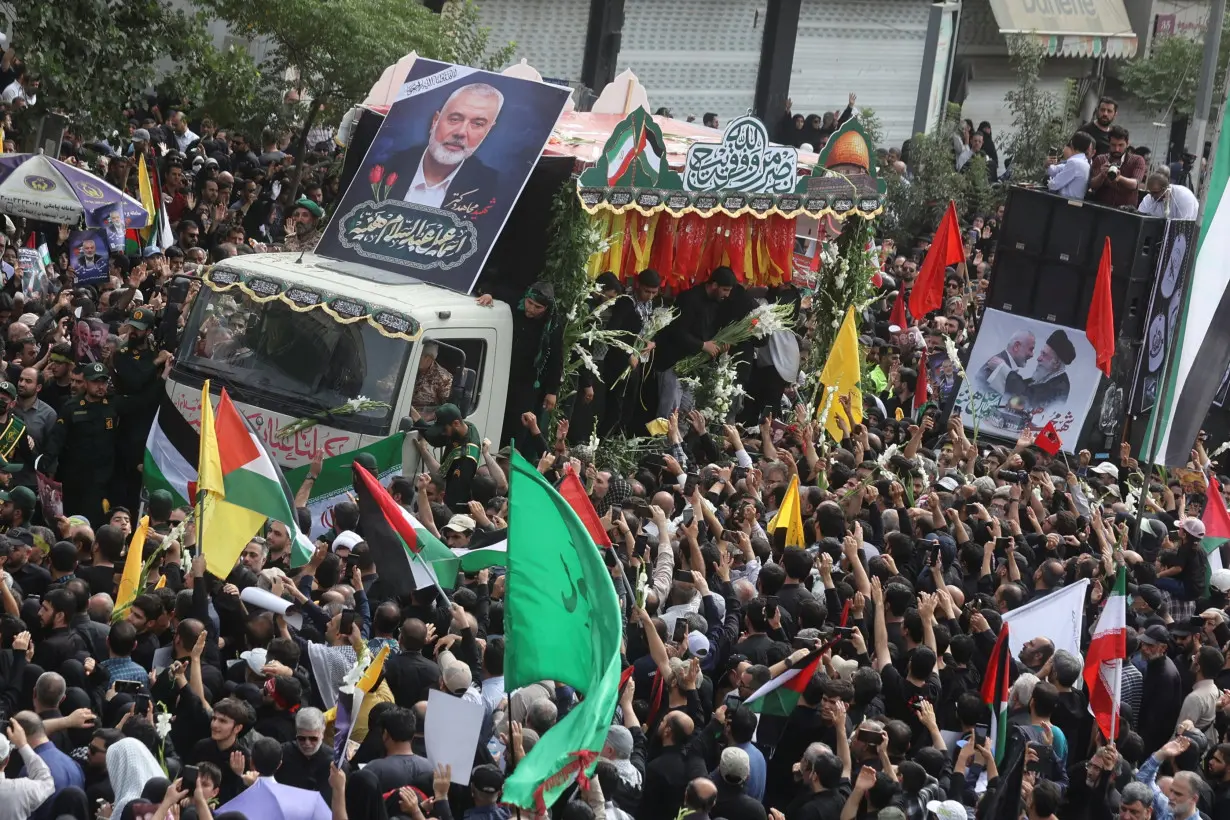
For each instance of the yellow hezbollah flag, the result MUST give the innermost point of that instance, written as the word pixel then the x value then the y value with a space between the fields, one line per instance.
pixel 372 674
pixel 146 191
pixel 130 578
pixel 790 516
pixel 841 373
pixel 224 527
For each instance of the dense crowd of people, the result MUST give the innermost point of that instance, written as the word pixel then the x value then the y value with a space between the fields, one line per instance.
pixel 916 540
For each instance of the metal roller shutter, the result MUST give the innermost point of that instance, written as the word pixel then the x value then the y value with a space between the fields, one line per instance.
pixel 695 56
pixel 871 47
pixel 550 34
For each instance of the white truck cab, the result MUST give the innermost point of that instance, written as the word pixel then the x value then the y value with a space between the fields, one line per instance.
pixel 291 335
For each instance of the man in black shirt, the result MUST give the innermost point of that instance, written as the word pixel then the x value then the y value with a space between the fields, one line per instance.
pixel 411 675
pixel 32 579
pixel 400 766
pixel 59 642
pixel 756 646
pixel 826 785
pixel 1099 126
pixel 231 717
pixel 107 551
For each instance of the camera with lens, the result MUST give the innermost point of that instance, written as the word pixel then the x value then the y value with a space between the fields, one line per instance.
pixel 1112 172
pixel 1013 477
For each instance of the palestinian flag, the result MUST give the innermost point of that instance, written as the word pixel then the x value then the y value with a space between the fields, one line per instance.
pixel 619 158
pixel 481 558
pixel 253 490
pixel 573 491
pixel 401 547
pixel 995 691
pixel 1201 346
pixel 1216 527
pixel 780 695
pixel 1104 659
pixel 171 454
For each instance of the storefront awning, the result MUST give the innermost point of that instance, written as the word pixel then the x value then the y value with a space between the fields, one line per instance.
pixel 1070 28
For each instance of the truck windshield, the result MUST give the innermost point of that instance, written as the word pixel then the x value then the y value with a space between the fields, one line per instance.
pixel 294 362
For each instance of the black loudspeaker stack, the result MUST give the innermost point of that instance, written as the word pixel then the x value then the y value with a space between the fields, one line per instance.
pixel 1046 267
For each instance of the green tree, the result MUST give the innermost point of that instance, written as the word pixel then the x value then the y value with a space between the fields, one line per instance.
pixel 96 56
pixel 228 86
pixel 338 48
pixel 1168 75
pixel 1037 115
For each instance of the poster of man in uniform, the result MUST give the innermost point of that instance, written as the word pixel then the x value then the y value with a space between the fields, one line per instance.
pixel 1026 372
pixel 1165 303
pixel 443 173
pixel 88 255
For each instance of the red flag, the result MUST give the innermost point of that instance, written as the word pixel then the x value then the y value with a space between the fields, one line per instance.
pixel 1048 441
pixel 898 315
pixel 920 387
pixel 1100 326
pixel 946 249
pixel 574 493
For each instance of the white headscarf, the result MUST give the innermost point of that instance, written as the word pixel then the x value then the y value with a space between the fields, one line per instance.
pixel 130 765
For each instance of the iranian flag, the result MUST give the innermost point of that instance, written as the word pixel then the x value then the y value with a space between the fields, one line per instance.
pixel 1216 526
pixel 1104 660
pixel 619 158
pixel 995 691
pixel 780 695
pixel 406 554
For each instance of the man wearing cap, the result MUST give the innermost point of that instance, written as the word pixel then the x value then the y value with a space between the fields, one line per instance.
pixel 1049 383
pixel 486 783
pixel 1162 690
pixel 136 366
pixel 82 446
pixel 16 451
pixel 433 385
pixel 302 226
pixel 1184 580
pixel 733 801
pixel 462 451
pixel 457 531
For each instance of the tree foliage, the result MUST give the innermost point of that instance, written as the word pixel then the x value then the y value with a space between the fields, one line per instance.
pixel 1037 115
pixel 914 207
pixel 1168 75
pixel 228 86
pixel 338 48
pixel 96 56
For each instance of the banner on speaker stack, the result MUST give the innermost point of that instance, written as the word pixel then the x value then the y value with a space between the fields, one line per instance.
pixel 1165 301
pixel 1026 372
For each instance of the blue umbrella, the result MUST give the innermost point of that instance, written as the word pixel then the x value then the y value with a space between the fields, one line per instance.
pixel 39 187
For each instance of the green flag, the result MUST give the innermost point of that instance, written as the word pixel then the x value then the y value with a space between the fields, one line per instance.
pixel 562 623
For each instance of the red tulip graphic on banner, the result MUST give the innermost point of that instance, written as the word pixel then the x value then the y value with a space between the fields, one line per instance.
pixel 374 176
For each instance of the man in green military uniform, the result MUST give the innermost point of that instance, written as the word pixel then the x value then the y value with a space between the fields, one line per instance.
pixel 462 453
pixel 16 452
pixel 83 443
pixel 136 367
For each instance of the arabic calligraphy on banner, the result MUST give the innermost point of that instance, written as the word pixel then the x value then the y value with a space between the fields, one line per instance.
pixel 410 235
pixel 344 309
pixel 743 161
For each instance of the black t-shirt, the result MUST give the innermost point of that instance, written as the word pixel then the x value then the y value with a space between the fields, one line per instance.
pixel 207 751
pixel 825 805
pixel 100 579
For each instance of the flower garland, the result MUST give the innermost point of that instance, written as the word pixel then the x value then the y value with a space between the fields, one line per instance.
pixel 351 407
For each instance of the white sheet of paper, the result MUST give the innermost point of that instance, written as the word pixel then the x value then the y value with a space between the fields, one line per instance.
pixel 452 730
pixel 255 596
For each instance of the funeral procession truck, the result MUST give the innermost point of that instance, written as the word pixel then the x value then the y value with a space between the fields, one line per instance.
pixel 321 351
pixel 295 336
